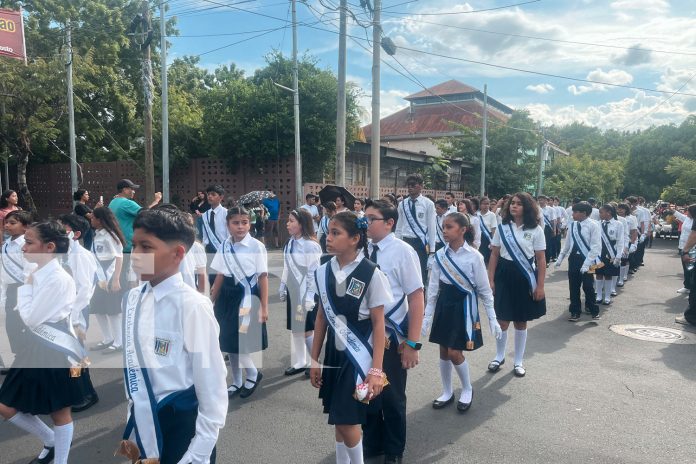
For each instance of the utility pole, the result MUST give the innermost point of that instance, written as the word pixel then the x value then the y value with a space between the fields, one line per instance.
pixel 484 140
pixel 165 107
pixel 375 146
pixel 543 152
pixel 296 107
pixel 71 110
pixel 147 107
pixel 341 101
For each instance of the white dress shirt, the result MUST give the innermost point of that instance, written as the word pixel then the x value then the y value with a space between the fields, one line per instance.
pixel 399 262
pixel 560 215
pixel 324 221
pixel 530 240
pixel 615 232
pixel 425 215
pixel 490 220
pixel 471 262
pixel 83 267
pixel 569 216
pixel 250 252
pixel 307 253
pixel 626 234
pixel 49 298
pixel 590 231
pixel 687 222
pixel 193 263
pixel 451 209
pixel 632 223
pixel 314 211
pixel 644 220
pixel 476 226
pixel 107 248
pixel 175 313
pixel 595 214
pixel 12 253
pixel 549 213
pixel 378 291
pixel 221 231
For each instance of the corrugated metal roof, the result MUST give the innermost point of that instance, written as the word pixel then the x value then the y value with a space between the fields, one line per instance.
pixel 450 87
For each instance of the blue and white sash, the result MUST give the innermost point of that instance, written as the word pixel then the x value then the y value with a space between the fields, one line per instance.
pixel 105 269
pixel 14 269
pixel 524 264
pixel 547 221
pixel 59 337
pixel 608 245
pixel 413 223
pixel 357 346
pixel 248 282
pixel 324 225
pixel 579 240
pixel 459 279
pixel 484 230
pixel 438 224
pixel 212 237
pixel 397 320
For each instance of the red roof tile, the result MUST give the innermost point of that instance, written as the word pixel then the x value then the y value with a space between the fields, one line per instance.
pixel 450 87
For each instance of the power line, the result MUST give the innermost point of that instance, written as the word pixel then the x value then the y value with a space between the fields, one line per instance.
pixel 449 13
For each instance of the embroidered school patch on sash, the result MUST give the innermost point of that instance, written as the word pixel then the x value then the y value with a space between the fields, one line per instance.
pixel 355 288
pixel 99 248
pixel 162 346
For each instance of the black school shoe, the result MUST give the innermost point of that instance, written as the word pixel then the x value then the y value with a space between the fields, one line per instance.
pixel 46 459
pixel 464 407
pixel 294 371
pixel 441 404
pixel 247 392
pixel 88 403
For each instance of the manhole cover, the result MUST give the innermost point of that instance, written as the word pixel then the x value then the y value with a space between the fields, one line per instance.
pixel 651 333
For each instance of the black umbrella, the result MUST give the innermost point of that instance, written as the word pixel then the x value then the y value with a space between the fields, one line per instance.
pixel 331 192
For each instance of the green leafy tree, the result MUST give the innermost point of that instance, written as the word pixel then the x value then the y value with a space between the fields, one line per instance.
pixel 584 177
pixel 683 171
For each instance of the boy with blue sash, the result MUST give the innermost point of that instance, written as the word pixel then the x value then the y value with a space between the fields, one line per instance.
pixel 583 247
pixel 385 431
pixel 417 225
pixel 549 225
pixel 441 210
pixel 174 371
pixel 214 224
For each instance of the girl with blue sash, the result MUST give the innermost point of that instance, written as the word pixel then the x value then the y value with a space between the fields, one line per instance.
pixel 353 293
pixel 240 296
pixel 489 223
pixel 458 279
pixel 516 270
pixel 44 378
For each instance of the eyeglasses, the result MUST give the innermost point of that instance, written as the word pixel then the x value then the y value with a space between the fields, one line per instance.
pixel 370 220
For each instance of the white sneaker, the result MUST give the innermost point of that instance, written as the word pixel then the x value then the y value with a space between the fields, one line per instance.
pixel 683 290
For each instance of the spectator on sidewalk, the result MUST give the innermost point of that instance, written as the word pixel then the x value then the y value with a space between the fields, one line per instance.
pixel 272 204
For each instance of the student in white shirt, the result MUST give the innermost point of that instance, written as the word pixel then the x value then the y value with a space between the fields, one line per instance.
pixel 612 235
pixel 595 212
pixel 311 206
pixel 177 414
pixel 107 246
pixel 451 202
pixel 240 296
pixel 214 223
pixel 83 269
pixel 560 224
pixel 624 209
pixel 193 267
pixel 15 269
pixel 42 379
pixel 516 272
pixel 582 247
pixel 440 211
pixel 470 211
pixel 549 225
pixel 457 281
pixel 686 223
pixel 301 257
pixel 353 294
pixel 323 232
pixel 488 224
pixel 359 207
pixel 417 225
pixel 385 431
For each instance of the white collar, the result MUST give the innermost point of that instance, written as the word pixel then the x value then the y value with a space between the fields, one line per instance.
pixel 466 248
pixel 41 274
pixel 217 208
pixel 167 286
pixel 385 242
pixel 246 241
pixel 342 274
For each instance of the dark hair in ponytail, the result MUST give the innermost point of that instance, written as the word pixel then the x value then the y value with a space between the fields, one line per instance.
pixel 350 222
pixel 462 220
pixel 53 231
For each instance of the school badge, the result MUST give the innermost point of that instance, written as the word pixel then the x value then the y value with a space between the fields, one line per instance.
pixel 527 236
pixel 162 346
pixel 355 288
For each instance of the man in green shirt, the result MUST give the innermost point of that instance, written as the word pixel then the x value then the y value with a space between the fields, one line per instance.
pixel 125 209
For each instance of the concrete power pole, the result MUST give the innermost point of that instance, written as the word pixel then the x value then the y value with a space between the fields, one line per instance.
pixel 147 107
pixel 375 144
pixel 341 99
pixel 71 110
pixel 484 140
pixel 165 108
pixel 296 107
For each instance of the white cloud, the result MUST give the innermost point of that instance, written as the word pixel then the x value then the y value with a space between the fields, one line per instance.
pixel 541 88
pixel 614 76
pixel 642 6
pixel 391 101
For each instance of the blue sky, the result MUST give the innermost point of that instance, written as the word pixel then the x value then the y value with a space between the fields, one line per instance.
pixel 647 43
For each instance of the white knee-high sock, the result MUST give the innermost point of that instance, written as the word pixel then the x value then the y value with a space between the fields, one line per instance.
pixel 298 357
pixel 235 370
pixel 103 321
pixel 599 286
pixel 116 328
pixel 356 453
pixel 309 341
pixel 250 370
pixel 34 426
pixel 520 345
pixel 446 376
pixel 501 346
pixel 624 272
pixel 465 378
pixel 342 453
pixel 613 283
pixel 64 435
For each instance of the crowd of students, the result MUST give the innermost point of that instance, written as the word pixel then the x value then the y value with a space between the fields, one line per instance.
pixel 364 289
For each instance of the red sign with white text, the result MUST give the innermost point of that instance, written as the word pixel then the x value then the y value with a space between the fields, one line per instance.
pixel 12 34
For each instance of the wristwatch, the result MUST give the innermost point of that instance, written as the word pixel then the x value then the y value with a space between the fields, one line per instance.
pixel 415 345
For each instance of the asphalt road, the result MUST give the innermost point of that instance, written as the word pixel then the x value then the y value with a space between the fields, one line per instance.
pixel 590 395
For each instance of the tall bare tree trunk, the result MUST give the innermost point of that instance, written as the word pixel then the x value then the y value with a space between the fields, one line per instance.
pixel 25 199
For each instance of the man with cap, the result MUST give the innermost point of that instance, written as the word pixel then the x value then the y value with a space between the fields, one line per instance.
pixel 125 209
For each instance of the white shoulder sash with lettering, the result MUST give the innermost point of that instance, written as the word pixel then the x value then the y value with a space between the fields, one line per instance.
pixel 12 267
pixel 235 268
pixel 524 264
pixel 212 237
pixel 609 246
pixel 413 222
pixel 459 279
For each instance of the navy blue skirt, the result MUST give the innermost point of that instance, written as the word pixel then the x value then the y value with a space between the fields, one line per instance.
pixel 227 314
pixel 449 321
pixel 513 298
